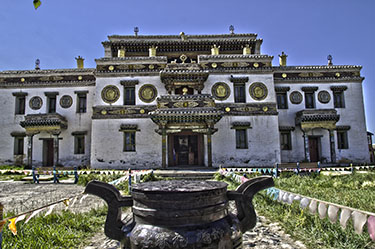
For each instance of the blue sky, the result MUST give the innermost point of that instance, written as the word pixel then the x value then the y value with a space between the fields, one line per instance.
pixel 306 30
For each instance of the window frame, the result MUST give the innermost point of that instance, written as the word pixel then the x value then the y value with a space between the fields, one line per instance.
pixel 338 95
pixel 129 100
pixel 132 144
pixel 239 93
pixel 284 96
pixel 18 148
pixel 241 143
pixel 20 103
pixel 313 104
pixel 288 140
pixel 79 144
pixel 342 139
pixel 81 98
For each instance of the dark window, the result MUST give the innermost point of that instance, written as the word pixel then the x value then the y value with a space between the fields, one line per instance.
pixel 20 104
pixel 82 103
pixel 18 145
pixel 342 140
pixel 285 140
pixel 129 95
pixel 239 93
pixel 79 144
pixel 338 100
pixel 129 141
pixel 309 100
pixel 51 104
pixel 282 101
pixel 241 139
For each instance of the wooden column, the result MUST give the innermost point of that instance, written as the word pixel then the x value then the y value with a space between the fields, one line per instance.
pixel 209 149
pixel 163 146
pixel 306 146
pixel 56 149
pixel 332 146
pixel 30 150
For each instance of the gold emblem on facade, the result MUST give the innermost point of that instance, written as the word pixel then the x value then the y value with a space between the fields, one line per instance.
pixel 265 108
pixel 22 79
pixel 103 112
pixel 258 91
pixel 227 109
pixel 284 75
pixel 147 93
pixel 256 65
pixel 214 65
pixel 142 111
pixel 151 66
pixel 80 77
pixel 337 75
pixel 111 68
pixel 220 91
pixel 110 94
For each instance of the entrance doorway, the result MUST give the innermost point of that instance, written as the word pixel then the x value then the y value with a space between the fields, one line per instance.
pixel 185 148
pixel 314 149
pixel 48 152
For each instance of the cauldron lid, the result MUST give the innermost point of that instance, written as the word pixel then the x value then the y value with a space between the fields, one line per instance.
pixel 178 186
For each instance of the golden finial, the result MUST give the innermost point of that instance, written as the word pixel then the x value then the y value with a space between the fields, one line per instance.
pixel 282 59
pixel 215 50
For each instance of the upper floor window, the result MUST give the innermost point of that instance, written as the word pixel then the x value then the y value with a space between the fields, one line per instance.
pixel 309 100
pixel 239 93
pixel 79 142
pixel 129 95
pixel 81 101
pixel 51 101
pixel 338 99
pixel 282 100
pixel 20 102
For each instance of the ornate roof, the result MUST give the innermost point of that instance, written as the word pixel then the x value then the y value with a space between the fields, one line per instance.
pixel 186 115
pixel 48 119
pixel 317 115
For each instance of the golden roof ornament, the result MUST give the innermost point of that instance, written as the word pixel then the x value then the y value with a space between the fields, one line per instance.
pixel 152 51
pixel 121 52
pixel 282 59
pixel 215 50
pixel 183 36
pixel 79 60
pixel 246 49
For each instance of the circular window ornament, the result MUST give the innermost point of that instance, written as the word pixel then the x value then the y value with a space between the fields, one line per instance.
pixel 295 97
pixel 324 97
pixel 147 93
pixel 36 103
pixel 110 94
pixel 258 91
pixel 66 101
pixel 220 91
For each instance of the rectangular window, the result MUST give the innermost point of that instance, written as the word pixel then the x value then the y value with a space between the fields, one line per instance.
pixel 79 144
pixel 20 104
pixel 338 99
pixel 82 102
pixel 129 95
pixel 309 100
pixel 285 140
pixel 282 100
pixel 18 145
pixel 241 139
pixel 342 140
pixel 51 104
pixel 239 93
pixel 129 141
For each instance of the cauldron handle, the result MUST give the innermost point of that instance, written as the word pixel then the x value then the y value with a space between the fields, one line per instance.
pixel 114 226
pixel 243 196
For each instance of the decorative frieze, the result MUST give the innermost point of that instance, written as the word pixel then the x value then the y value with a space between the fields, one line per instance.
pixel 249 109
pixel 122 112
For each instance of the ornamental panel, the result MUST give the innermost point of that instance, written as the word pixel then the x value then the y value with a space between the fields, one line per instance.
pixel 258 91
pixel 66 101
pixel 110 94
pixel 147 93
pixel 324 97
pixel 220 91
pixel 295 97
pixel 36 103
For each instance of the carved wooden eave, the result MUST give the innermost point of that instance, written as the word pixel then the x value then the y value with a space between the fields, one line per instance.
pixel 47 78
pixel 177 75
pixel 318 74
pixel 318 118
pixel 50 122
